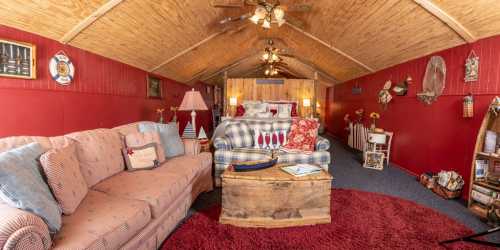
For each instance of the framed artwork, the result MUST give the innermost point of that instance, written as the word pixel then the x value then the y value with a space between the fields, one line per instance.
pixel 154 87
pixel 374 160
pixel 17 59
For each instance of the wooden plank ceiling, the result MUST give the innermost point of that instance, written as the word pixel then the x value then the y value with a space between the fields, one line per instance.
pixel 182 40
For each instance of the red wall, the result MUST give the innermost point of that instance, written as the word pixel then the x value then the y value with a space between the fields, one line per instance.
pixel 104 93
pixel 427 138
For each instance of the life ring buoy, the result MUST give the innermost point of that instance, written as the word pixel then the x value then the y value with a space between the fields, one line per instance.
pixel 61 69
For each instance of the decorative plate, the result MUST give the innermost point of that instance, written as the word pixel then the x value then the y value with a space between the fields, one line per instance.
pixel 61 69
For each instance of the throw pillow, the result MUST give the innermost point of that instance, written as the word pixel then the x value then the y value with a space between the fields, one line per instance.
pixel 141 158
pixel 284 111
pixel 240 111
pixel 169 137
pixel 239 135
pixel 264 115
pixel 302 136
pixel 22 184
pixel 141 139
pixel 64 177
pixel 251 109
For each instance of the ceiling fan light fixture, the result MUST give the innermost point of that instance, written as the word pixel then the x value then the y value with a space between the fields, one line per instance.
pixel 265 56
pixel 281 22
pixel 254 19
pixel 266 24
pixel 279 13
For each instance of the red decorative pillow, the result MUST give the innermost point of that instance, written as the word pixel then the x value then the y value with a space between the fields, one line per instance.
pixel 302 136
pixel 293 113
pixel 240 111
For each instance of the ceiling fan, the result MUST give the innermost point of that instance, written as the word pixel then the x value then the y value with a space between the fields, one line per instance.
pixel 265 13
pixel 272 59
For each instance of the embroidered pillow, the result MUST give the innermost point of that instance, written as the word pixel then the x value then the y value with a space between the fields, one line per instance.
pixel 23 186
pixel 141 158
pixel 251 109
pixel 64 177
pixel 141 139
pixel 239 135
pixel 284 111
pixel 302 136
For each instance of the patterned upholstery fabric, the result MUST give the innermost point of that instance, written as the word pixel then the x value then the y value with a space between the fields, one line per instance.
pixel 22 230
pixel 240 155
pixel 322 144
pixel 239 135
pixel 302 136
pixel 63 174
pixel 317 157
pixel 99 154
pixel 102 222
pixel 222 143
pixel 158 187
pixel 9 143
pixel 142 139
pixel 22 184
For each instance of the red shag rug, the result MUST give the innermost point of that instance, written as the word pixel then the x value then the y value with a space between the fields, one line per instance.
pixel 360 220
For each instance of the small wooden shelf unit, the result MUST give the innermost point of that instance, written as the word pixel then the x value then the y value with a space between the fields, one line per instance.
pixel 490 122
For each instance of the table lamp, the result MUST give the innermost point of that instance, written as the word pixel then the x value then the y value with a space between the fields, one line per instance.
pixel 193 101
pixel 233 101
pixel 306 103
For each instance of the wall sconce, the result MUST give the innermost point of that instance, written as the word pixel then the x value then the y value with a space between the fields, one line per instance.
pixel 233 101
pixel 306 103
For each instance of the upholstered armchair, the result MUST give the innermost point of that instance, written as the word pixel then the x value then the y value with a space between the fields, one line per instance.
pixel 226 154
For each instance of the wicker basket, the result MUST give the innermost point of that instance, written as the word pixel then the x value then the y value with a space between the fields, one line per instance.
pixel 427 181
pixel 445 193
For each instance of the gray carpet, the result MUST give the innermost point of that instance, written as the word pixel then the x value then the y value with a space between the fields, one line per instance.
pixel 349 174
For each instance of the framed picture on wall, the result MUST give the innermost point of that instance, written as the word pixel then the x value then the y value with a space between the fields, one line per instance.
pixel 154 87
pixel 17 59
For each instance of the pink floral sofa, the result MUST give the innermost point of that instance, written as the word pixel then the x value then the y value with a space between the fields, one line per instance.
pixel 122 210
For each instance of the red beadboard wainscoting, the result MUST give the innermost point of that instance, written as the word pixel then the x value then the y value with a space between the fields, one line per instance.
pixel 427 138
pixel 104 93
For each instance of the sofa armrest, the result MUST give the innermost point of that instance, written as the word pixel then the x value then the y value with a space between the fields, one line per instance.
pixel 222 143
pixel 322 144
pixel 191 146
pixel 22 230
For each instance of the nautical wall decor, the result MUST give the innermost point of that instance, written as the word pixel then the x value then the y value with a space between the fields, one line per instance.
pixel 61 68
pixel 384 96
pixel 472 67
pixel 17 59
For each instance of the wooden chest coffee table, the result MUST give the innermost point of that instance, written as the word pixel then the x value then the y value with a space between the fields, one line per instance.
pixel 273 198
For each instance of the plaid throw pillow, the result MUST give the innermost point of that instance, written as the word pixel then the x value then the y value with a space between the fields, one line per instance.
pixel 239 135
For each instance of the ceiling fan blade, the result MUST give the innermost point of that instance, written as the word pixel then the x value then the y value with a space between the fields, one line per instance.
pixel 295 21
pixel 297 7
pixel 235 19
pixel 227 3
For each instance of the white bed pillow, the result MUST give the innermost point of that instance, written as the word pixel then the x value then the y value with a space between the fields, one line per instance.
pixel 252 109
pixel 284 111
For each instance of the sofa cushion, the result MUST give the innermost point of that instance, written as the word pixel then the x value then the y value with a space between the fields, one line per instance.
pixel 99 152
pixel 169 136
pixel 141 139
pixel 22 184
pixel 102 222
pixel 12 142
pixel 241 155
pixel 318 157
pixel 239 135
pixel 63 174
pixel 158 187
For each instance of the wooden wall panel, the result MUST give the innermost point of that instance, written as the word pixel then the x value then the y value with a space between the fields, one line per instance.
pixel 246 89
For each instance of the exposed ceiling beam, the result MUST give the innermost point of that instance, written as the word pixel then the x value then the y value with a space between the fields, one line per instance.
pixel 230 66
pixel 314 68
pixel 331 47
pixel 193 47
pixel 82 25
pixel 447 19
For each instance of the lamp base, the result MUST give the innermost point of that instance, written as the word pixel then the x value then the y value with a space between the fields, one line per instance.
pixel 193 121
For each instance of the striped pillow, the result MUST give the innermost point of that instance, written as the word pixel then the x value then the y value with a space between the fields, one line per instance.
pixel 64 177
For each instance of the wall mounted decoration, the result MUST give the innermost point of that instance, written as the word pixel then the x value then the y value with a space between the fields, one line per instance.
pixel 17 59
pixel 154 87
pixel 61 68
pixel 356 90
pixel 384 97
pixel 401 89
pixel 434 80
pixel 472 67
pixel 468 110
